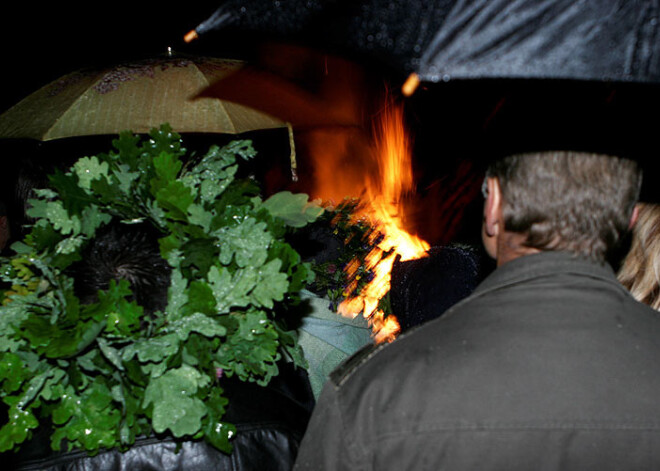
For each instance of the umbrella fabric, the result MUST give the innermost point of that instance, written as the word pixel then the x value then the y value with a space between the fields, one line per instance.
pixel 566 39
pixel 394 32
pixel 445 39
pixel 284 17
pixel 136 96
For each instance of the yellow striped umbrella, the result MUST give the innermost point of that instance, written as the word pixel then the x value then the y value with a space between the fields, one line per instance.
pixel 136 96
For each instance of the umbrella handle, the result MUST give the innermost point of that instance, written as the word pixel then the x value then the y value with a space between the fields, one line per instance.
pixel 292 157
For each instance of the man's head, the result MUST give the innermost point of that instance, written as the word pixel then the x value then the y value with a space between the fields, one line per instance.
pixel 559 201
pixel 124 251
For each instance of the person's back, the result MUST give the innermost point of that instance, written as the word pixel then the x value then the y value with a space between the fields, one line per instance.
pixel 549 365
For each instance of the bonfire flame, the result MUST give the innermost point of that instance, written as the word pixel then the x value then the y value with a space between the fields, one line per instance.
pixel 383 206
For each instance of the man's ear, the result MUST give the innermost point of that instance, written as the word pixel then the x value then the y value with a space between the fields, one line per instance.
pixel 633 217
pixel 492 208
pixel 491 227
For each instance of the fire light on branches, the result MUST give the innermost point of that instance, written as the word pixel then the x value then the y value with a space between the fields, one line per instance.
pixel 382 205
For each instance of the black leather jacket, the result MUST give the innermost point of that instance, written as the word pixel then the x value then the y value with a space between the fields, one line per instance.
pixel 270 422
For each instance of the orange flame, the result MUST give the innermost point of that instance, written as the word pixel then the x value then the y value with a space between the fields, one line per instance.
pixel 384 197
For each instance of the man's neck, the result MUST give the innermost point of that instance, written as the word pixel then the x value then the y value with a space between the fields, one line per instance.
pixel 510 246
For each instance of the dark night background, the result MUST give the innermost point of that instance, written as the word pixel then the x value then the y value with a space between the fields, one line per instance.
pixel 41 42
pixel 452 122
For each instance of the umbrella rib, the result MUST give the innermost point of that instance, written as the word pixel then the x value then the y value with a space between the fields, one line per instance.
pixel 219 103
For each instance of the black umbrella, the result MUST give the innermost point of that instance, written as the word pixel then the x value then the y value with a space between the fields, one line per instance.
pixel 586 39
pixel 595 66
pixel 444 39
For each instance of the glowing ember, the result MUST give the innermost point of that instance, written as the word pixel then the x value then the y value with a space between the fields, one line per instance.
pixel 383 205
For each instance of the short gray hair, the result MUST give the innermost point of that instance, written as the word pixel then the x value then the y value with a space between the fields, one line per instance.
pixel 568 201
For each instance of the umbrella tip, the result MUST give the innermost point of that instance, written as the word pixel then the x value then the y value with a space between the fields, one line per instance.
pixel 191 36
pixel 410 85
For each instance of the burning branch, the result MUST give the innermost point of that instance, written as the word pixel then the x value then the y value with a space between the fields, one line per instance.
pixel 383 207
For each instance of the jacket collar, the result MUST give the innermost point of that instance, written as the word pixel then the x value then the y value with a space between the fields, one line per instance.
pixel 544 264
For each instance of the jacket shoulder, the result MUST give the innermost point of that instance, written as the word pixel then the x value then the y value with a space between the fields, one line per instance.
pixel 344 371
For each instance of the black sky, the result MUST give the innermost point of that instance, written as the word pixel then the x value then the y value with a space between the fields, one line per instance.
pixel 41 42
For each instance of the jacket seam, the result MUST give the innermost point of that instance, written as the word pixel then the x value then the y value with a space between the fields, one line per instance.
pixel 351 445
pixel 654 427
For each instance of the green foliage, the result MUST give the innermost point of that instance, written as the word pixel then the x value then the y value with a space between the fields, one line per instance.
pixel 105 372
pixel 294 209
pixel 357 238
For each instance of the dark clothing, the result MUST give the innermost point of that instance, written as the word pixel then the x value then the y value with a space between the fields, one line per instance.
pixel 424 288
pixel 549 365
pixel 270 422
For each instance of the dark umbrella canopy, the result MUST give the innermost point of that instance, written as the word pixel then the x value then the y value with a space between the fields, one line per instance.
pixel 569 39
pixel 602 58
pixel 442 39
pixel 393 32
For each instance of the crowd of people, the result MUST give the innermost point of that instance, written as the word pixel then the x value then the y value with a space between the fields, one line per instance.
pixel 548 363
